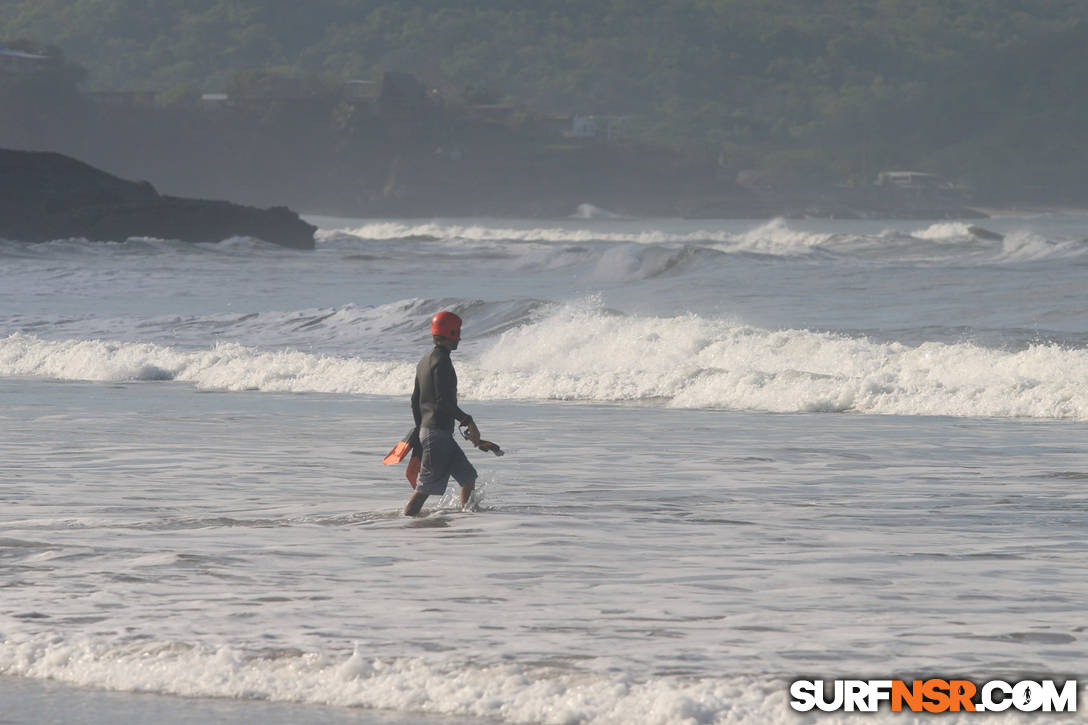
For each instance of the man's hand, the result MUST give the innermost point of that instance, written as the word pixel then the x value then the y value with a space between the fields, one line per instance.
pixel 473 433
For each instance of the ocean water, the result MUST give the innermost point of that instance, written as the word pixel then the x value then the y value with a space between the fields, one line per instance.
pixel 740 453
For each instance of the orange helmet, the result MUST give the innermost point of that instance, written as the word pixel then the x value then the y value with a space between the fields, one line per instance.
pixel 447 325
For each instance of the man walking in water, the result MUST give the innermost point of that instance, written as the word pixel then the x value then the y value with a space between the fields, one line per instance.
pixel 434 407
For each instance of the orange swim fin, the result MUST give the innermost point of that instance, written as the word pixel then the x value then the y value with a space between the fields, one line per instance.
pixel 398 454
pixel 412 474
pixel 408 444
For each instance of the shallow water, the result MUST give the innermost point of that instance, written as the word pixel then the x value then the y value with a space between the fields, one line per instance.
pixel 736 457
pixel 249 545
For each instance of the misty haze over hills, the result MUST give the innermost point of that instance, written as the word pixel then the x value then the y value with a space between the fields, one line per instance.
pixel 793 94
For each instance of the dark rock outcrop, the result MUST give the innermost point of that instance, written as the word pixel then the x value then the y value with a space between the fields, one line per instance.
pixel 46 196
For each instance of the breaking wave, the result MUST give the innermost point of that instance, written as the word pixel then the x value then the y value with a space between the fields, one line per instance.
pixel 942 242
pixel 586 238
pixel 942 231
pixel 589 354
pixel 509 693
pixel 774 237
pixel 694 362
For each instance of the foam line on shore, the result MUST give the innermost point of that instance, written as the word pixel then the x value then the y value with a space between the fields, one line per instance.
pixel 507 693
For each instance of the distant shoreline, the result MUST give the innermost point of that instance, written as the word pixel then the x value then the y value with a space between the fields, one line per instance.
pixel 1015 210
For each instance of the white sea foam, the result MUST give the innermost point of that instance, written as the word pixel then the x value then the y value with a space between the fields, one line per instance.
pixel 583 353
pixel 694 362
pixel 944 231
pixel 774 237
pixel 509 693
pixel 487 233
pixel 226 366
pixel 1017 246
pixel 1026 246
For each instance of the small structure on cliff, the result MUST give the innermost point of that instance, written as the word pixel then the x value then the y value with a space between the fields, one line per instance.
pixel 46 196
pixel 909 180
pixel 19 61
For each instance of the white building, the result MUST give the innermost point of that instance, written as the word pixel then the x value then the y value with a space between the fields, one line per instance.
pixel 19 61
pixel 594 126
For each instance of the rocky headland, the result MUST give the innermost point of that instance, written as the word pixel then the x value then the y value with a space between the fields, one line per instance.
pixel 45 196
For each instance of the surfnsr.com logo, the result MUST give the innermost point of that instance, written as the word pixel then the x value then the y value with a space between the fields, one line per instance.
pixel 933 696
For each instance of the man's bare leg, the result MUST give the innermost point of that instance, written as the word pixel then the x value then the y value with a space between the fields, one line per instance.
pixel 466 495
pixel 415 504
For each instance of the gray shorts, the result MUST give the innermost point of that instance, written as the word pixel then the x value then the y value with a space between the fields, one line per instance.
pixel 442 458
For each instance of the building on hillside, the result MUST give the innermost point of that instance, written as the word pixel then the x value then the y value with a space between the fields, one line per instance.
pixel 605 128
pixel 921 184
pixel 20 62
pixel 909 180
pixel 125 99
pixel 212 101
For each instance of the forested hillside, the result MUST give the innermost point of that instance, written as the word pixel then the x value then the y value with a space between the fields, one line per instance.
pixel 986 91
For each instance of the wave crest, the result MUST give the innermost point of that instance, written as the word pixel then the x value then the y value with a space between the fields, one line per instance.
pixel 774 237
pixel 695 362
pixel 502 692
pixel 586 353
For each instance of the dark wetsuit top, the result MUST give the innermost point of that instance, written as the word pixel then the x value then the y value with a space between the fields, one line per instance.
pixel 434 400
